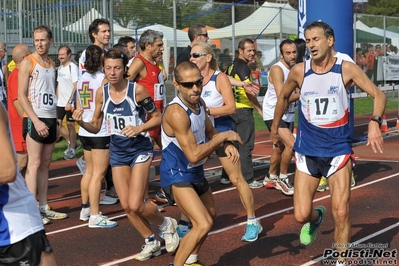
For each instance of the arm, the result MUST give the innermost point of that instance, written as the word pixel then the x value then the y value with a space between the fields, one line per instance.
pixel 176 123
pixel 8 163
pixel 290 85
pixel 94 125
pixel 224 87
pixel 135 68
pixel 247 85
pixel 154 122
pixel 6 74
pixel 352 73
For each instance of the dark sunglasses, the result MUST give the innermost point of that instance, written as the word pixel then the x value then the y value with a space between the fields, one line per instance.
pixel 190 84
pixel 196 55
pixel 203 34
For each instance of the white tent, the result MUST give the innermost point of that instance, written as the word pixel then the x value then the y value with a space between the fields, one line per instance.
pixel 82 25
pixel 267 16
pixel 168 34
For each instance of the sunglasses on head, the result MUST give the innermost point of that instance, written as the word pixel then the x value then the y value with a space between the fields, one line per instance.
pixel 196 55
pixel 190 84
pixel 203 34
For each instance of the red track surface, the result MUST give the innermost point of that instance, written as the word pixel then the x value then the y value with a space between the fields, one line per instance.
pixel 374 216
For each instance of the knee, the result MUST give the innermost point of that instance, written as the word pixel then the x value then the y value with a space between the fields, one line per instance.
pixel 302 215
pixel 204 227
pixel 341 214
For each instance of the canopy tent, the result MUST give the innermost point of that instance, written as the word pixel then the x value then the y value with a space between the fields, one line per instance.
pixel 393 28
pixel 168 34
pixel 363 36
pixel 82 25
pixel 265 18
pixel 371 34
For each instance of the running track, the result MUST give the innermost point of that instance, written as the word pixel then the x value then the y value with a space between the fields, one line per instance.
pixel 374 215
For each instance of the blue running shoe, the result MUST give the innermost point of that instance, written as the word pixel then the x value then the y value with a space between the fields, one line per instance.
pixel 251 232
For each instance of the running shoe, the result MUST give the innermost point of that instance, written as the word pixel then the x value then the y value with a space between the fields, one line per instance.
pixel 84 214
pixel 251 232
pixel 53 215
pixel 353 181
pixel 161 197
pixel 255 184
pixel 101 222
pixel 323 185
pixel 180 233
pixel 70 155
pixel 225 181
pixel 106 200
pixel 170 235
pixel 285 186
pixel 67 149
pixel 81 164
pixel 150 249
pixel 309 230
pixel 45 220
pixel 269 182
pixel 112 193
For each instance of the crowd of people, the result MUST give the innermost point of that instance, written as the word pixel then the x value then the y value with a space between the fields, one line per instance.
pixel 117 97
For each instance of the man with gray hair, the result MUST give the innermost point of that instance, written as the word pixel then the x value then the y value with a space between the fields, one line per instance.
pixel 145 71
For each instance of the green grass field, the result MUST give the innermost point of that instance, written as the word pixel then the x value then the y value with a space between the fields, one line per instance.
pixel 362 106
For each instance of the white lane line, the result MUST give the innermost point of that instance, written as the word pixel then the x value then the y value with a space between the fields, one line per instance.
pixel 316 260
pixel 278 212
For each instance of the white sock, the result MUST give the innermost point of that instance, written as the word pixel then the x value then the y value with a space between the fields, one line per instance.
pixel 43 208
pixel 271 176
pixel 283 176
pixel 252 221
pixel 340 263
pixel 192 258
pixel 164 223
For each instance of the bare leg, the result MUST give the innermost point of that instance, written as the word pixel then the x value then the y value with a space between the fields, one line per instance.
pixel 200 211
pixel 100 161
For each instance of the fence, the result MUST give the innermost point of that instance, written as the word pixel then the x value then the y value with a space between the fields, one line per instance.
pixel 267 23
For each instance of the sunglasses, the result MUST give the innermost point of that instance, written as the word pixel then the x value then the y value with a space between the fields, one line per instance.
pixel 203 34
pixel 196 55
pixel 190 84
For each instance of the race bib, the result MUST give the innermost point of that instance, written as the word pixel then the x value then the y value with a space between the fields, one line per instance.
pixel 46 101
pixel 115 123
pixel 159 92
pixel 322 109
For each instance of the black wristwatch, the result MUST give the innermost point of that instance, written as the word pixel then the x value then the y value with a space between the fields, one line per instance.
pixel 377 119
pixel 70 102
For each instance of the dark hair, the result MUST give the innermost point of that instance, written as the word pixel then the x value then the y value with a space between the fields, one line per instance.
pixel 66 47
pixel 286 41
pixel 125 40
pixel 149 37
pixel 328 31
pixel 300 50
pixel 114 53
pixel 241 44
pixel 186 65
pixel 93 58
pixel 359 49
pixel 93 27
pixel 46 29
pixel 194 30
pixel 120 47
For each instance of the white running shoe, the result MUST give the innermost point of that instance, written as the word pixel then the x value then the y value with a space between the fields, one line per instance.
pixel 150 249
pixel 101 222
pixel 107 200
pixel 170 235
pixel 84 214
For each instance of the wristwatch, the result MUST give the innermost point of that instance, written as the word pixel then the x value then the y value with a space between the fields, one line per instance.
pixel 70 102
pixel 207 111
pixel 377 119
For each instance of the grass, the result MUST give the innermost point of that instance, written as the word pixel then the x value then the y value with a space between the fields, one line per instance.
pixel 362 106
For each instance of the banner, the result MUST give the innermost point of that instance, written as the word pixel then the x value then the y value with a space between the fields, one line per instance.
pixel 391 67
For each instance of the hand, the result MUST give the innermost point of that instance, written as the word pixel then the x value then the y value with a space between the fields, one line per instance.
pixel 41 129
pixel 130 131
pixel 68 107
pixel 77 115
pixel 274 137
pixel 232 153
pixel 232 136
pixel 251 88
pixel 375 137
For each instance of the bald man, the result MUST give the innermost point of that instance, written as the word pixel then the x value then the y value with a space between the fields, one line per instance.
pixel 15 110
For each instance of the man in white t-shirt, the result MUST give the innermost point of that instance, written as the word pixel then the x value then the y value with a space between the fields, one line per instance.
pixel 67 80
